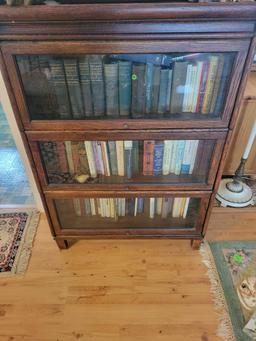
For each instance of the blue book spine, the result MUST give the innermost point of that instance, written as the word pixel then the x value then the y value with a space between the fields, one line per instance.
pixel 149 86
pixel 158 158
pixel 140 205
pixel 125 87
pixel 185 169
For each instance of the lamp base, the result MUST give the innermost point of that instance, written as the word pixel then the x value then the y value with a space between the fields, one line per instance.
pixel 227 197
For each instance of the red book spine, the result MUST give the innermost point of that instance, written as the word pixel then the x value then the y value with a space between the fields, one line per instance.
pixel 148 157
pixel 63 162
pixel 75 157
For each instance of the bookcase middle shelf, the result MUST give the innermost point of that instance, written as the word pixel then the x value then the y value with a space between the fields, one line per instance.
pixel 127 160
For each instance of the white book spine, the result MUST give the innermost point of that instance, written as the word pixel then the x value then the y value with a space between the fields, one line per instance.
pixel 169 89
pixel 187 89
pixel 168 145
pixel 120 157
pixel 176 207
pixel 192 86
pixel 173 156
pixel 152 208
pixel 187 153
pixel 91 160
pixel 127 144
pixel 106 159
pixel 185 211
pixel 194 144
pixel 135 207
pixel 99 152
pixel 93 208
pixel 123 207
pixel 159 204
pixel 197 85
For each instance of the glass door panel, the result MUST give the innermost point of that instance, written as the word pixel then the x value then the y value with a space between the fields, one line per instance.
pixel 127 161
pixel 171 86
pixel 120 213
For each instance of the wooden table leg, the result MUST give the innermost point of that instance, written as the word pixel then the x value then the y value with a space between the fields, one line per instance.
pixel 62 243
pixel 195 243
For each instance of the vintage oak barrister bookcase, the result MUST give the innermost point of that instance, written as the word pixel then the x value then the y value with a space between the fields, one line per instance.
pixel 185 33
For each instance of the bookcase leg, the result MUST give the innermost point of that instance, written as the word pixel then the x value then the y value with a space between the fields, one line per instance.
pixel 195 243
pixel 62 243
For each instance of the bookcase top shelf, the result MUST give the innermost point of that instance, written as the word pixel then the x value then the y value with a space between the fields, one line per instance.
pixel 124 11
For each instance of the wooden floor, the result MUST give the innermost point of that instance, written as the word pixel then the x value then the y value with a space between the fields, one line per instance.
pixel 153 290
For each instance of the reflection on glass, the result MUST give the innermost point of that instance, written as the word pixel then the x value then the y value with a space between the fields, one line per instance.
pixel 168 212
pixel 126 85
pixel 127 161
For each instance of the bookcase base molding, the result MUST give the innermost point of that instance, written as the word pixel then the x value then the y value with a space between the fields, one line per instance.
pixel 127 118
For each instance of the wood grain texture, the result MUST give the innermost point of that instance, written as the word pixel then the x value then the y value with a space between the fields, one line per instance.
pixel 152 290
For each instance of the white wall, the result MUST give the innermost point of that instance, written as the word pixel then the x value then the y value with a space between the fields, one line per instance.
pixel 4 99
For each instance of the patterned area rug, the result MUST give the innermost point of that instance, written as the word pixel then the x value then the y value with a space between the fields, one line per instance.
pixel 17 231
pixel 232 272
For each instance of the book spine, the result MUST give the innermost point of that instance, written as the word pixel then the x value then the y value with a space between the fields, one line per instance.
pixel 128 158
pixel 84 72
pixel 152 202
pixel 120 157
pixel 159 206
pixel 176 207
pixel 97 84
pixel 196 89
pixel 158 158
pixel 111 88
pixel 192 88
pixel 93 206
pixel 125 87
pixel 169 91
pixel 61 150
pixel 178 82
pixel 138 90
pixel 203 80
pixel 185 211
pixel 156 88
pixel 75 157
pixel 185 166
pixel 135 207
pixel 173 156
pixel 75 95
pixel 105 158
pixel 60 87
pixel 136 157
pixel 97 150
pixel 193 154
pixel 77 207
pixel 168 146
pixel 149 87
pixel 213 66
pixel 179 156
pixel 162 103
pixel 91 160
pixel 165 208
pixel 187 89
pixel 217 83
pixel 69 157
pixel 140 205
pixel 112 157
pixel 84 165
pixel 87 207
pixel 228 65
pixel 50 157
pixel 148 157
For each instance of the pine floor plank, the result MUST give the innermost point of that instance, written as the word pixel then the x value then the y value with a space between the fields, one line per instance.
pixel 117 290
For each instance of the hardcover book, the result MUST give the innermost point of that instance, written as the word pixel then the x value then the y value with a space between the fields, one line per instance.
pixel 138 90
pixel 148 157
pixel 125 87
pixel 97 84
pixel 84 73
pixel 111 88
pixel 178 85
pixel 158 158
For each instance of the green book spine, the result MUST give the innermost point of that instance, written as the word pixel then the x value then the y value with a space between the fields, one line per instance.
pixel 75 95
pixel 59 82
pixel 178 83
pixel 97 84
pixel 111 88
pixel 162 103
pixel 125 87
pixel 156 86
pixel 138 90
pixel 85 81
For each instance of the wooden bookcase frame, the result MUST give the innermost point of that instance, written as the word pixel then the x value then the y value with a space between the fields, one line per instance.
pixel 131 28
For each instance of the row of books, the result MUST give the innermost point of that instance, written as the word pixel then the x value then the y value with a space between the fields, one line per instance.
pixel 121 207
pixel 127 158
pixel 123 85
